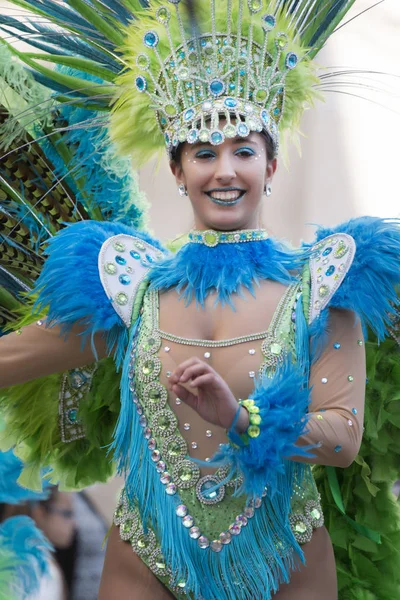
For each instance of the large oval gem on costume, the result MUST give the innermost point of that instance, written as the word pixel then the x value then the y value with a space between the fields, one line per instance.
pixel 217 87
pixel 174 448
pixel 151 39
pixel 120 260
pixel 209 490
pixel 110 268
pixel 327 251
pixel 170 110
pixel 164 423
pixel 141 83
pixel 119 246
pixel 135 255
pixel 323 291
pixel 210 238
pixel 124 279
pixel 341 249
pixel 330 271
pixel 186 474
pixel 152 343
pixel 291 60
pixel 121 299
pixel 72 415
pixel 148 367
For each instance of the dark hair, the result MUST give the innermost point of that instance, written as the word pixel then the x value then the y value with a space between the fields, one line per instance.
pixel 176 153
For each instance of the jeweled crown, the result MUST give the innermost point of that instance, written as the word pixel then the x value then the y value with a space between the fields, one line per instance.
pixel 217 84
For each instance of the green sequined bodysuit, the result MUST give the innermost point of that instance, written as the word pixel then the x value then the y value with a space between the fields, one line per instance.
pixel 209 510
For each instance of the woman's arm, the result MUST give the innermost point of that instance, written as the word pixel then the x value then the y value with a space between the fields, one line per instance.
pixel 36 351
pixel 337 384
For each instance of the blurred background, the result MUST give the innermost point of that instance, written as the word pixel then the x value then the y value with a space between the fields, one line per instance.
pixel 348 166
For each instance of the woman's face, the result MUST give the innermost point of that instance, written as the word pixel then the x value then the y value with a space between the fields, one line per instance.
pixel 226 183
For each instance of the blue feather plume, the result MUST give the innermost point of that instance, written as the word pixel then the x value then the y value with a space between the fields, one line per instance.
pixel 197 270
pixel 23 559
pixel 10 491
pixel 370 288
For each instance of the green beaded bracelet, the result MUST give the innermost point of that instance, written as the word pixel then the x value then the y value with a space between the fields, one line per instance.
pixel 253 430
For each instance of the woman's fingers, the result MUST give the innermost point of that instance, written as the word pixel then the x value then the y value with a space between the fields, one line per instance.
pixel 194 371
pixel 188 364
pixel 186 396
pixel 202 379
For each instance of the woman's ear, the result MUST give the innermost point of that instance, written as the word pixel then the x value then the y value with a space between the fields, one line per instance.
pixel 177 171
pixel 271 169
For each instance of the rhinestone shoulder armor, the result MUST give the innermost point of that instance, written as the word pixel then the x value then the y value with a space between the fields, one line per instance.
pixel 330 261
pixel 124 262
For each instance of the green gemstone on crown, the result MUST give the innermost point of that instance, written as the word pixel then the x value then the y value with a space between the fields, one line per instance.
pixel 261 95
pixel 170 110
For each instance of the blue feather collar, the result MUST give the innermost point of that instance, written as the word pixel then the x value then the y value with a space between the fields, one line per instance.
pixel 197 270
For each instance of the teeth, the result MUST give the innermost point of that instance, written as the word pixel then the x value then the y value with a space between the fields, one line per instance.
pixel 228 196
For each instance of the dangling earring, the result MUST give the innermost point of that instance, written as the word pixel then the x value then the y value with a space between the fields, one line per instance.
pixel 268 190
pixel 182 190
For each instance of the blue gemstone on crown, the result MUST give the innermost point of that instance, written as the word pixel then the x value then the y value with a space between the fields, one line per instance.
pixel 230 102
pixel 269 21
pixel 291 60
pixel 189 114
pixel 216 138
pixel 243 130
pixel 141 83
pixel 217 87
pixel 151 39
pixel 193 136
pixel 265 116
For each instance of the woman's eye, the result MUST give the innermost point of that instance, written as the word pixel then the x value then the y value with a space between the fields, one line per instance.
pixel 245 152
pixel 205 154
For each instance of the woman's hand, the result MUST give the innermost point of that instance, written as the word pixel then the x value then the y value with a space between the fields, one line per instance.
pixel 211 398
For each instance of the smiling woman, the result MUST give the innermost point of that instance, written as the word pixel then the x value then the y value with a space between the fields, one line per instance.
pixel 239 362
pixel 225 183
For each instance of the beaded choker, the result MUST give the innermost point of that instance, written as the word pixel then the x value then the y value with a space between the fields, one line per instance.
pixel 212 238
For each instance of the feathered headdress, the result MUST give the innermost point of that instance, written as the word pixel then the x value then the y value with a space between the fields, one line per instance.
pixel 165 81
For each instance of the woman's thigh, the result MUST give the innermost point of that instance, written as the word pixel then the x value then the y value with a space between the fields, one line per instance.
pixel 126 577
pixel 317 578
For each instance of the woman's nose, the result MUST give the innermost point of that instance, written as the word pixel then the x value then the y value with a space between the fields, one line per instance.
pixel 224 168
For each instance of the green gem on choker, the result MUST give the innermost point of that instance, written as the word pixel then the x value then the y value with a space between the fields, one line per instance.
pixel 212 238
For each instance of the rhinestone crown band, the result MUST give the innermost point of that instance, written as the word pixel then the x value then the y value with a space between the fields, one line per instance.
pixel 212 238
pixel 201 79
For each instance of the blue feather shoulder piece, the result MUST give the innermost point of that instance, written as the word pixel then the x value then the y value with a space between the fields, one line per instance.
pixel 70 288
pixel 370 287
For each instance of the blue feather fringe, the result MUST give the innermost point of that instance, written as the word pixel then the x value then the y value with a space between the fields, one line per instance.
pixel 24 556
pixel 283 401
pixel 197 270
pixel 69 285
pixel 371 285
pixel 253 557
